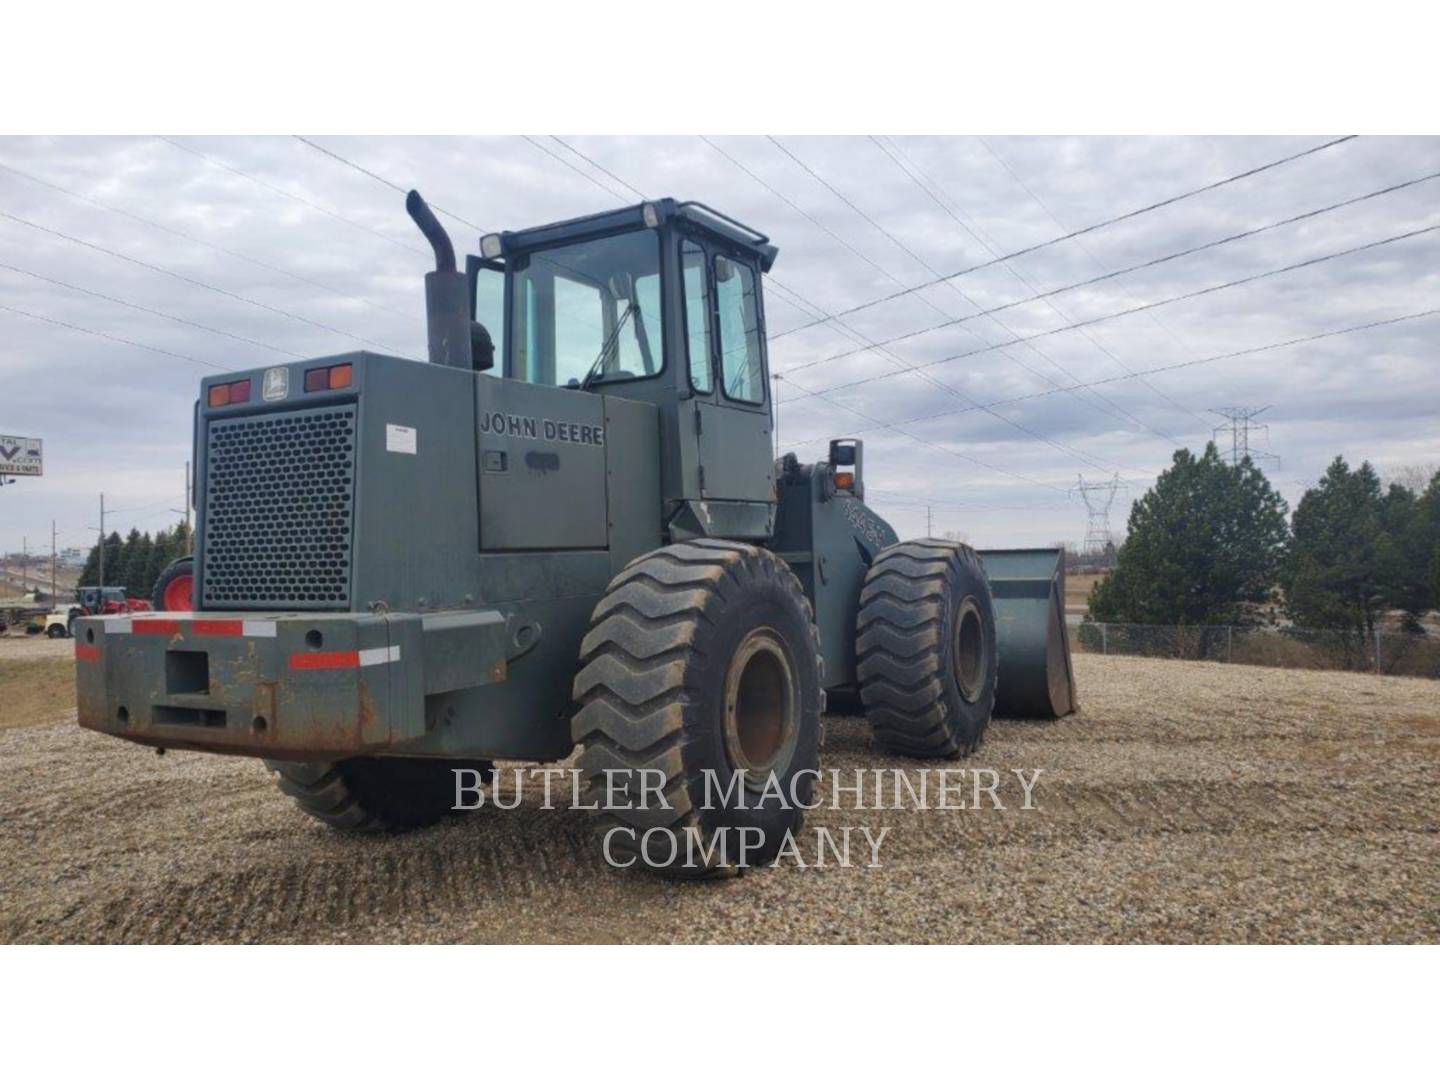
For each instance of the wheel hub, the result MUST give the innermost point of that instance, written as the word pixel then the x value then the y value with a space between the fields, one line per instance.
pixel 761 707
pixel 968 647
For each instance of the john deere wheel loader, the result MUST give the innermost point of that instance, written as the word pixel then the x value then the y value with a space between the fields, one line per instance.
pixel 566 528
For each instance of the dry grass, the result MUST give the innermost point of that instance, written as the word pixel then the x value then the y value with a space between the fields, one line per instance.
pixel 1186 802
pixel 1078 588
pixel 37 681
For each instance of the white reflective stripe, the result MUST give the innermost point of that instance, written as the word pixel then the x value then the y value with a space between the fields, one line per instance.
pixel 176 615
pixel 370 657
pixel 258 628
pixel 116 626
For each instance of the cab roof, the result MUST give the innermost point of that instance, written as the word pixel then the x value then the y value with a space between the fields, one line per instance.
pixel 687 216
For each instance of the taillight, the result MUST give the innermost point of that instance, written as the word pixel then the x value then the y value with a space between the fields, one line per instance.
pixel 233 393
pixel 337 377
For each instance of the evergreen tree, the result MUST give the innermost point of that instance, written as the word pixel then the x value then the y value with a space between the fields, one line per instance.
pixel 91 574
pixel 1340 570
pixel 1205 546
pixel 118 573
pixel 136 567
pixel 161 556
pixel 113 546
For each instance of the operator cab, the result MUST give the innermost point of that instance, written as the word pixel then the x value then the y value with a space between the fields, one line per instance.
pixel 659 302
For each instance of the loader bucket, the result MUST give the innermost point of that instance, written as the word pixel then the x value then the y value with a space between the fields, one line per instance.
pixel 1028 585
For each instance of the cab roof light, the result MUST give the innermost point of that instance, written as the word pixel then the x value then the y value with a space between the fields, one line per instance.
pixel 491 246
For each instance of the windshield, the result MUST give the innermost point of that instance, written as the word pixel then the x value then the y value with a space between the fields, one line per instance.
pixel 588 313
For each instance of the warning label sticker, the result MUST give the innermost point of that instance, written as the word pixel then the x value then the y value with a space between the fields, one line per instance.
pixel 399 439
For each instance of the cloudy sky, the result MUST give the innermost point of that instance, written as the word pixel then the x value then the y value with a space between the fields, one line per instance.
pixel 231 253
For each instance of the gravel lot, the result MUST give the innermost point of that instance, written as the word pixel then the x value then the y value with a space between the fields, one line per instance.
pixel 1188 802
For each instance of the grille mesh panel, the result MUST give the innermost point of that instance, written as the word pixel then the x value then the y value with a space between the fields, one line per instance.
pixel 279 510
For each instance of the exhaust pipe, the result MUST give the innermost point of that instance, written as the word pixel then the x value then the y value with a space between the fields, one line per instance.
pixel 447 299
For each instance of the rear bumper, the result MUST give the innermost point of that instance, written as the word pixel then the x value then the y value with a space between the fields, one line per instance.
pixel 293 686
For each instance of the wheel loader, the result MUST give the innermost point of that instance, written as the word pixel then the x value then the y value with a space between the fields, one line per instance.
pixel 566 530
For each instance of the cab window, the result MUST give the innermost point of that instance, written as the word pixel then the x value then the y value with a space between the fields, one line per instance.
pixel 588 311
pixel 738 311
pixel 697 316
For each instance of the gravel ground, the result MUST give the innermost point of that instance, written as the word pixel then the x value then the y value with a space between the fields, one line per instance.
pixel 1188 802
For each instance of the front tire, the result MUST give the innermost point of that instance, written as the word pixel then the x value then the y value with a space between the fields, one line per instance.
pixel 701 678
pixel 55 632
pixel 925 651
pixel 374 794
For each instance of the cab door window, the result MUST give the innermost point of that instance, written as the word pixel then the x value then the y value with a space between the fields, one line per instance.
pixel 738 316
pixel 697 316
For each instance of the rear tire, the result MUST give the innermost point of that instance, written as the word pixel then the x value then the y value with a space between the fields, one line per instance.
pixel 174 588
pixel 925 649
pixel 374 794
pixel 702 661
pixel 55 632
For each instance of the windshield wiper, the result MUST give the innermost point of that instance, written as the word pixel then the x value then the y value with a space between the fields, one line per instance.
pixel 605 348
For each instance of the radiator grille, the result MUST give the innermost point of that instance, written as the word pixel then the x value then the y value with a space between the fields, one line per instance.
pixel 279 510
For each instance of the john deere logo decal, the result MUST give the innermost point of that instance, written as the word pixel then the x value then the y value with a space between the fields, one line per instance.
pixel 277 384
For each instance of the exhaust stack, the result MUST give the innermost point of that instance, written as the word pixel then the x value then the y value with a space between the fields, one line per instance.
pixel 447 299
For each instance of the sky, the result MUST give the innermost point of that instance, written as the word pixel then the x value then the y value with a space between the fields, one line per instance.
pixel 234 253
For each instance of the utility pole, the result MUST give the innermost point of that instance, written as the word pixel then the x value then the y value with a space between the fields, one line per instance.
pixel 1098 496
pixel 102 540
pixel 187 489
pixel 54 596
pixel 24 564
pixel 1242 423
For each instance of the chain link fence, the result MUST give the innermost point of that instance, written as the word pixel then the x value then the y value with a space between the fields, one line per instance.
pixel 1387 652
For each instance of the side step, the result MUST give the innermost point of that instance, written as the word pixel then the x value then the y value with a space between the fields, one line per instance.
pixel 1036 678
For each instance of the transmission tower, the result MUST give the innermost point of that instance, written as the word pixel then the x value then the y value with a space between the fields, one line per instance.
pixel 1242 423
pixel 1099 496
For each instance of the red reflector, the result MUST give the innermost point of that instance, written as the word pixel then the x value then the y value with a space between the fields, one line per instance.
pixel 155 626
pixel 340 376
pixel 218 627
pixel 87 653
pixel 220 395
pixel 324 661
pixel 844 481
pixel 317 379
pixel 239 391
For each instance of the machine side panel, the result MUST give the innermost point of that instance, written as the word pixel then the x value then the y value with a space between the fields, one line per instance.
pixel 416 535
pixel 632 479
pixel 541 451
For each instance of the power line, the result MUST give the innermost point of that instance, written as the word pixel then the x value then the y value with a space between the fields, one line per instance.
pixel 1143 307
pixel 388 183
pixel 1136 267
pixel 1112 407
pixel 1155 319
pixel 149 311
pixel 861 338
pixel 1256 350
pixel 204 243
pixel 1014 272
pixel 291 195
pixel 867 417
pixel 1087 229
pixel 189 280
pixel 112 337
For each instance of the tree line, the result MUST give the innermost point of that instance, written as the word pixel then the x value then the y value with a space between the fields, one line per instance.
pixel 137 561
pixel 1212 543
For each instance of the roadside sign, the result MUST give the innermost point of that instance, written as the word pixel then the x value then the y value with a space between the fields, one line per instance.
pixel 20 456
